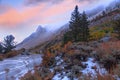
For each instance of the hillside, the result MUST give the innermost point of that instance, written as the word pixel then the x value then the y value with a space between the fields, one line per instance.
pixel 97 59
pixel 83 46
pixel 103 23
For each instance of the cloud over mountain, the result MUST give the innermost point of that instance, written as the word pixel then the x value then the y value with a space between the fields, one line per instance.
pixel 15 16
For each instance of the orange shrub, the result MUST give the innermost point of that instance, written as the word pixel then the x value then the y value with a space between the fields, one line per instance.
pixel 30 76
pixel 48 59
pixel 11 54
pixel 66 46
pixel 1 57
pixel 109 54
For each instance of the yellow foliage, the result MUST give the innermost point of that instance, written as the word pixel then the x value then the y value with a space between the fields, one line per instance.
pixel 96 35
pixel 56 46
pixel 66 46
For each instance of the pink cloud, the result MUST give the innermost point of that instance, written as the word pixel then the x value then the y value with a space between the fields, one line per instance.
pixel 14 17
pixel 41 13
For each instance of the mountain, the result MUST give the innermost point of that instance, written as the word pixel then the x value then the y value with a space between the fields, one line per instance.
pixel 38 36
pixel 49 36
pixel 41 35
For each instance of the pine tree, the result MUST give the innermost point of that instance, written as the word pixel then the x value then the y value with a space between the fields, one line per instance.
pixel 9 43
pixel 67 37
pixel 84 26
pixel 75 24
pixel 1 48
pixel 78 27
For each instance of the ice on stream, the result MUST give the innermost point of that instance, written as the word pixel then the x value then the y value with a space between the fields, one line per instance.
pixel 13 68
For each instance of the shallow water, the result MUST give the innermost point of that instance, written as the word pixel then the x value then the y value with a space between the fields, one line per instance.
pixel 13 68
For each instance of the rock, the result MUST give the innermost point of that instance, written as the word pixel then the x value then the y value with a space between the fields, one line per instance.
pixel 74 72
pixel 94 44
pixel 93 53
pixel 84 48
pixel 94 67
pixel 105 39
pixel 58 69
pixel 44 72
pixel 26 52
pixel 68 66
pixel 76 61
pixel 1 57
pixel 50 76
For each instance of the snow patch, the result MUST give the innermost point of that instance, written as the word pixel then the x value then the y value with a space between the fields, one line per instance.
pixel 90 63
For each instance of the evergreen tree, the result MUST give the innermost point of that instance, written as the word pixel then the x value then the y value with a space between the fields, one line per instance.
pixel 84 27
pixel 78 27
pixel 1 48
pixel 67 37
pixel 75 24
pixel 9 43
pixel 117 28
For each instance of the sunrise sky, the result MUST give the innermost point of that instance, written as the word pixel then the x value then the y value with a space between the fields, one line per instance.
pixel 21 17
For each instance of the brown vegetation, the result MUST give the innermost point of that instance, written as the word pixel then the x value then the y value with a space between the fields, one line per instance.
pixel 108 54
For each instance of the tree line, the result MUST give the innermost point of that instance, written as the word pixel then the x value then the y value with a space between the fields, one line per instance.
pixel 78 27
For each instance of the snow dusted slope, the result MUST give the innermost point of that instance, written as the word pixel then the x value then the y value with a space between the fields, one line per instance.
pixel 39 36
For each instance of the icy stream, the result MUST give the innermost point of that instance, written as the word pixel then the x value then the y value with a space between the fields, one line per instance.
pixel 13 68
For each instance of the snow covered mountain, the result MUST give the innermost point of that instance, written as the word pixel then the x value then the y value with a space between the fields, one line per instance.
pixel 40 35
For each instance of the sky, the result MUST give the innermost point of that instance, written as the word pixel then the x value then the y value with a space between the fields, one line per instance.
pixel 22 17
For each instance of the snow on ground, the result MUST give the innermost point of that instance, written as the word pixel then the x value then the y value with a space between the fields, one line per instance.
pixel 90 63
pixel 13 68
pixel 58 77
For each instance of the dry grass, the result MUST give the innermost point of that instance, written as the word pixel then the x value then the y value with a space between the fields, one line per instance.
pixel 116 71
pixel 11 54
pixel 103 51
pixel 105 77
pixel 108 54
pixel 30 76
pixel 36 76
pixel 48 59
pixel 1 57
pixel 97 77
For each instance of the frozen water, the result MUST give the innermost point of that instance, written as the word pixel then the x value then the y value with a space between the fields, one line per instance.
pixel 15 67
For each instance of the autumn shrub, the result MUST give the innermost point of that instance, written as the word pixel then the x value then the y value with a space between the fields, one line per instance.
pixel 97 77
pixel 100 54
pixel 97 32
pixel 81 56
pixel 105 77
pixel 1 57
pixel 11 54
pixel 108 48
pixel 96 35
pixel 117 70
pixel 74 72
pixel 56 47
pixel 116 55
pixel 66 46
pixel 48 59
pixel 45 73
pixel 31 76
pixel 108 54
pixel 109 62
